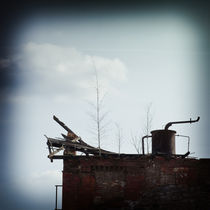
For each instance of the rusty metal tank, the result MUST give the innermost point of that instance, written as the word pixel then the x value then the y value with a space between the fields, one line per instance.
pixel 163 142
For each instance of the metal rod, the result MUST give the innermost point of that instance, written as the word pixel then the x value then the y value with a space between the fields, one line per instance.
pixel 188 143
pixel 56 196
pixel 143 142
pixel 179 122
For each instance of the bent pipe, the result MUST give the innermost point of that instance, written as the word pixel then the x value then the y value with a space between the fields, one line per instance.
pixel 143 142
pixel 188 143
pixel 179 122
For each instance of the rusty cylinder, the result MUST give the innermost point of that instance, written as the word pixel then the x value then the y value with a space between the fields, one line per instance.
pixel 163 142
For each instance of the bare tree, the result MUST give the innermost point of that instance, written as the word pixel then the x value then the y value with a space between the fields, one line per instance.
pixel 98 120
pixel 119 137
pixel 98 116
pixel 136 142
pixel 148 124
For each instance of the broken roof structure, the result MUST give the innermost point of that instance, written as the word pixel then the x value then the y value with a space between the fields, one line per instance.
pixel 163 143
pixel 71 143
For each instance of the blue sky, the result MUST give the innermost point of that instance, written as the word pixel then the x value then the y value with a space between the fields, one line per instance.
pixel 145 58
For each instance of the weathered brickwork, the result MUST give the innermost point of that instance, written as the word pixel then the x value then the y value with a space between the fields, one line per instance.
pixel 136 183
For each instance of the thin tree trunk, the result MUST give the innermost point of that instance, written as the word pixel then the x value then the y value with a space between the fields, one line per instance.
pixel 98 113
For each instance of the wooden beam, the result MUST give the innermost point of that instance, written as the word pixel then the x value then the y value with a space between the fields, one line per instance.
pixel 77 146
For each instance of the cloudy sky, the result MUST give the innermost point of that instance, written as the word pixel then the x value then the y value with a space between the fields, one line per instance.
pixel 149 56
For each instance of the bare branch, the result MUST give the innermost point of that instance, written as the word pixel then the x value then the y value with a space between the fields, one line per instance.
pixel 148 125
pixel 136 142
pixel 103 116
pixel 119 137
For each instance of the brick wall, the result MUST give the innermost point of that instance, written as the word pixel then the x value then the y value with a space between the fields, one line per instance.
pixel 134 182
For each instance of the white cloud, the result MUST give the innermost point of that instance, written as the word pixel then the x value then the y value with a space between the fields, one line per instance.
pixel 55 69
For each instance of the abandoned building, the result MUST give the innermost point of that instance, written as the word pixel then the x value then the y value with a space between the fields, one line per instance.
pixel 106 180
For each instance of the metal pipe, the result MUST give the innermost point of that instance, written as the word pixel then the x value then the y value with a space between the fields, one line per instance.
pixel 179 122
pixel 188 144
pixel 56 196
pixel 143 142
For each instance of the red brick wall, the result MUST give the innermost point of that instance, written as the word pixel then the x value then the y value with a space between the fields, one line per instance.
pixel 136 183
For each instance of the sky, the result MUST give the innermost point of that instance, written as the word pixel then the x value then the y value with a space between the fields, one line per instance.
pixel 146 55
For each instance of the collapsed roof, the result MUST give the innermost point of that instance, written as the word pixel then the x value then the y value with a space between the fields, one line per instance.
pixel 71 143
